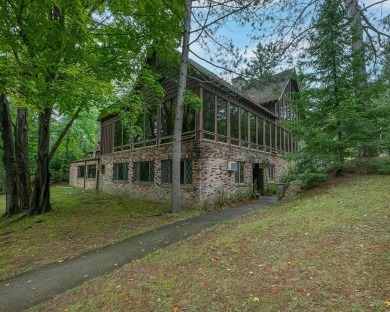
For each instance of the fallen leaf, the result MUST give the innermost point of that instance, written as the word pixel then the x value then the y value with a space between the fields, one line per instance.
pixel 175 310
pixel 387 303
pixel 6 285
pixel 256 299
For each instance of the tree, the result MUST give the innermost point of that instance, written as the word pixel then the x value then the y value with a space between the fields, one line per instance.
pixel 65 56
pixel 208 16
pixel 332 104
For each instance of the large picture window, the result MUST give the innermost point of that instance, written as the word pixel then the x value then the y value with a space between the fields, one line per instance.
pixel 144 171
pixel 168 117
pixel 253 128
pixel 244 125
pixel 239 173
pixel 234 123
pixel 121 137
pixel 120 172
pixel 222 119
pixel 260 131
pixel 208 112
pixel 185 171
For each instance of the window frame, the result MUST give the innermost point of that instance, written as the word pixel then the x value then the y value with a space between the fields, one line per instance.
pixel 239 174
pixel 184 178
pixel 116 172
pixel 138 172
pixel 89 167
pixel 80 173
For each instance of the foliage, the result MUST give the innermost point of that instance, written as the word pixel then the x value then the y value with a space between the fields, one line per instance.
pixel 263 64
pixel 69 229
pixel 337 115
pixel 293 256
pixel 192 100
pixel 270 189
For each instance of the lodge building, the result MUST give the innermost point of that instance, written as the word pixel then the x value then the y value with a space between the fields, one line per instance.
pixel 233 145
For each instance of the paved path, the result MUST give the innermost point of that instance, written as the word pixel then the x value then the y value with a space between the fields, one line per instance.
pixel 34 287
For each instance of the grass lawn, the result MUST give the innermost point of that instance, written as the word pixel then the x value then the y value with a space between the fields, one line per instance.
pixel 325 250
pixel 80 221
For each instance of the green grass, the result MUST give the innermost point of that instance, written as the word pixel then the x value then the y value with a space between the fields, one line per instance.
pixel 326 250
pixel 80 221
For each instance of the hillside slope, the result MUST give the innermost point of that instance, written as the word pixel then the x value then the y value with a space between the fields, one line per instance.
pixel 325 250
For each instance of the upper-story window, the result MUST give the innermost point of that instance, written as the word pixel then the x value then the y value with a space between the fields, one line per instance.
pixel 208 112
pixel 121 137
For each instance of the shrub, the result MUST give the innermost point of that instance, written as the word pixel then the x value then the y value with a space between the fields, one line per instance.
pixel 270 189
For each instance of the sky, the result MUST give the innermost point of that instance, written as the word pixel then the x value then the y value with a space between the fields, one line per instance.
pixel 241 38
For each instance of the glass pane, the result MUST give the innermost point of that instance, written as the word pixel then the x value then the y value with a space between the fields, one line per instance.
pixel 208 111
pixel 91 171
pixel 253 128
pixel 260 131
pixel 188 119
pixel 151 124
pixel 234 122
pixel 166 171
pixel 267 133
pixel 244 125
pixel 273 145
pixel 222 117
pixel 186 171
pixel 168 117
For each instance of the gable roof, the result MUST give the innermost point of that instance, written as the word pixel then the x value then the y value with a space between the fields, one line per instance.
pixel 269 90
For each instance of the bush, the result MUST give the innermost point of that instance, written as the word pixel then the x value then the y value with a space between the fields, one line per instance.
pixel 270 189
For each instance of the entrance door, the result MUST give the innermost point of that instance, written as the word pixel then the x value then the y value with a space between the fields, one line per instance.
pixel 258 177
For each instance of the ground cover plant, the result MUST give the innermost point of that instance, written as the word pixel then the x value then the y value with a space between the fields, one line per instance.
pixel 325 250
pixel 80 221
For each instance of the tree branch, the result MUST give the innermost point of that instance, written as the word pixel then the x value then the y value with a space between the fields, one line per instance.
pixel 65 131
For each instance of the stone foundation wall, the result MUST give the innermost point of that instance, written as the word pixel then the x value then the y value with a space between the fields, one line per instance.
pixel 88 184
pixel 211 181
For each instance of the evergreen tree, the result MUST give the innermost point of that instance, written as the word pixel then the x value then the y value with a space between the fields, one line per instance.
pixel 333 103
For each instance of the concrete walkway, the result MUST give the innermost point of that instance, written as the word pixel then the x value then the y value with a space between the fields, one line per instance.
pixel 34 287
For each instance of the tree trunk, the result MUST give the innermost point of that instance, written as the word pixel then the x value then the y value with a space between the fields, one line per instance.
pixel 9 159
pixel 176 146
pixel 21 153
pixel 41 196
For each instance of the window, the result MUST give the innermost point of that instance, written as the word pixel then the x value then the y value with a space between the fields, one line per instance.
pixel 185 171
pixel 239 174
pixel 244 125
pixel 80 171
pixel 144 171
pixel 121 137
pixel 234 124
pixel 168 117
pixel 91 171
pixel 253 128
pixel 120 172
pixel 208 112
pixel 260 131
pixel 222 120
pixel 271 173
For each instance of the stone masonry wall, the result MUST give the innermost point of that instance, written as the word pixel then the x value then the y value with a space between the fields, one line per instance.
pixel 88 184
pixel 211 181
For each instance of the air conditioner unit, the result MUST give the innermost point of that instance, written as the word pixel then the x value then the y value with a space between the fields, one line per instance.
pixel 231 166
